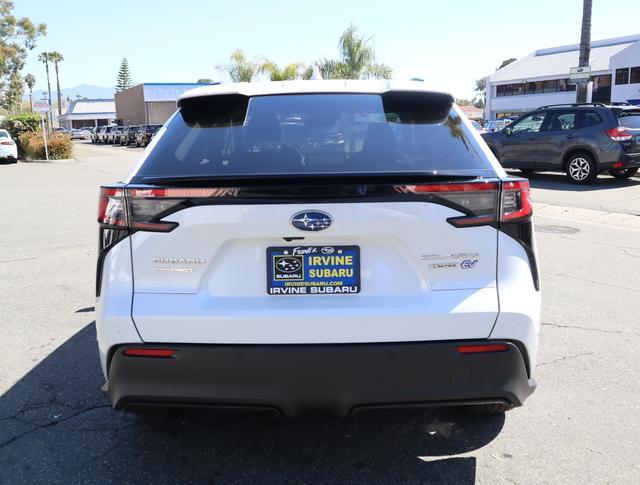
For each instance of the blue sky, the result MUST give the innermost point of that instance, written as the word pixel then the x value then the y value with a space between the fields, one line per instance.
pixel 448 43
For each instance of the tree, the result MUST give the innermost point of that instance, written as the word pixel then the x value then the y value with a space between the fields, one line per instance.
pixel 30 81
pixel 204 80
pixel 479 88
pixel 356 59
pixel 56 58
pixel 585 48
pixel 295 70
pixel 124 76
pixel 240 69
pixel 17 37
pixel 44 58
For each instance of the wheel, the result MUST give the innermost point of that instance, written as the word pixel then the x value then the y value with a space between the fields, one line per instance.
pixel 581 169
pixel 624 173
pixel 494 408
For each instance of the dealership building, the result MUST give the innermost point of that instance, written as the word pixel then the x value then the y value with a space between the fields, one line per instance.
pixel 88 112
pixel 542 77
pixel 149 103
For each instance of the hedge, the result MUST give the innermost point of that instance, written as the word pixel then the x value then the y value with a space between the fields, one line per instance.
pixel 59 145
pixel 19 124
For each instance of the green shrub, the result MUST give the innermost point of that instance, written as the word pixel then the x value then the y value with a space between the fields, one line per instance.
pixel 19 124
pixel 59 145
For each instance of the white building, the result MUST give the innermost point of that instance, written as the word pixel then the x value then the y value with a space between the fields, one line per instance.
pixel 88 112
pixel 542 77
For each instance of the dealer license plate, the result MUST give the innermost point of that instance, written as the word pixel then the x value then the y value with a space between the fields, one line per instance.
pixel 313 270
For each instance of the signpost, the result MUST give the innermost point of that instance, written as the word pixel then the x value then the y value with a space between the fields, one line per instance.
pixel 43 108
pixel 579 75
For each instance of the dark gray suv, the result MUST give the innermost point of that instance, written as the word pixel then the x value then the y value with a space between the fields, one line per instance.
pixel 579 139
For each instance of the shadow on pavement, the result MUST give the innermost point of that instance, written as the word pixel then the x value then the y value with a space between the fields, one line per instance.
pixel 559 181
pixel 57 427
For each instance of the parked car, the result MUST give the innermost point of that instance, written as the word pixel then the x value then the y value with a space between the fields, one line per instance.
pixel 398 269
pixel 145 134
pixel 77 134
pixel 95 136
pixel 113 136
pixel 581 140
pixel 88 134
pixel 128 134
pixel 104 135
pixel 8 148
pixel 496 125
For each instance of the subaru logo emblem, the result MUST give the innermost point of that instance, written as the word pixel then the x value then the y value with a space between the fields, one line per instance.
pixel 311 220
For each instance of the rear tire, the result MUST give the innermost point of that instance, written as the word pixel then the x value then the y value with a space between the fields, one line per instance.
pixel 624 173
pixel 581 168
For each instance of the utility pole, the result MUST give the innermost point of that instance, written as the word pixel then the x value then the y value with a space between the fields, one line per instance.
pixel 585 49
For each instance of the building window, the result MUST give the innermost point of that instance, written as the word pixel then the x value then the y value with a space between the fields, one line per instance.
pixel 622 76
pixel 550 86
pixel 635 75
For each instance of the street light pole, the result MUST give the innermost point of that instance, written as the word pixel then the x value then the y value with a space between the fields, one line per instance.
pixel 585 49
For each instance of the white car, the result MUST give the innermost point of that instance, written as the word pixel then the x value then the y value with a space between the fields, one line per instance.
pixel 8 148
pixel 250 261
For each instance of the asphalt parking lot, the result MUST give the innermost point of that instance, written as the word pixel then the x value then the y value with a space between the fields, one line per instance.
pixel 580 426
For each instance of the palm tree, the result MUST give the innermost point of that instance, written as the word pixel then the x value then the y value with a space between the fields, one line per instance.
pixel 357 59
pixel 44 58
pixel 585 48
pixel 30 81
pixel 241 69
pixel 56 58
pixel 291 71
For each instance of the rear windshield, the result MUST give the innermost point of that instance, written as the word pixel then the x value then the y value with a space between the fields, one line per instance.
pixel 311 134
pixel 629 119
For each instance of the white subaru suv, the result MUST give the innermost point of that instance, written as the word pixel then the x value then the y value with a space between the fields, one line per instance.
pixel 317 246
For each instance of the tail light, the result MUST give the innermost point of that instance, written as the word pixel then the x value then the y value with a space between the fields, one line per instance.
pixel 7 142
pixel 145 352
pixel 619 134
pixel 481 201
pixel 142 209
pixel 478 200
pixel 516 201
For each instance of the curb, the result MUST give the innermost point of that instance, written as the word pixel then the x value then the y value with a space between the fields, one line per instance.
pixel 578 214
pixel 62 160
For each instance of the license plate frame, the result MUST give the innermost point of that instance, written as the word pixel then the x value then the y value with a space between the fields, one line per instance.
pixel 300 272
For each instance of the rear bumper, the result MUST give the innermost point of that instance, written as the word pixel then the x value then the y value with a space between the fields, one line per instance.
pixel 334 378
pixel 628 161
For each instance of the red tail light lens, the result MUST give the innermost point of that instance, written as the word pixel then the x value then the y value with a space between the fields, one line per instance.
pixel 619 134
pixel 516 200
pixel 482 349
pixel 111 207
pixel 143 209
pixel 143 352
pixel 7 142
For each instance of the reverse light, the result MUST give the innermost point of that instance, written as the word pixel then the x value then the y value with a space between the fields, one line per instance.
pixel 619 134
pixel 144 352
pixel 482 349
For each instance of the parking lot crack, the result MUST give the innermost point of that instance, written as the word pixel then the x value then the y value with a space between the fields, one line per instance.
pixel 50 423
pixel 600 283
pixel 566 357
pixel 600 330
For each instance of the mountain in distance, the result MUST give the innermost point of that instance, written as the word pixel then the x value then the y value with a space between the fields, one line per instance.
pixel 90 91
